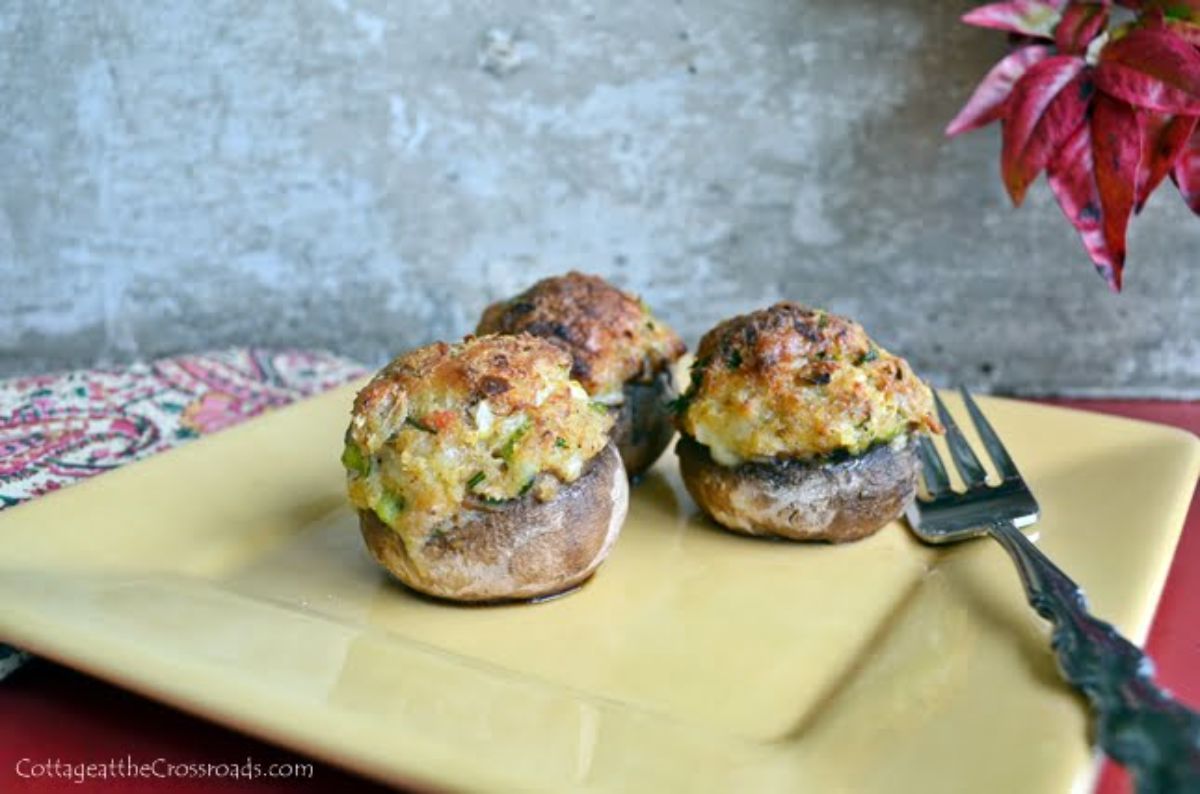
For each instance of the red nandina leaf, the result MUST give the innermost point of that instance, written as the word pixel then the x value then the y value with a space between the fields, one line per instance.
pixel 1186 173
pixel 1028 17
pixel 1081 22
pixel 991 95
pixel 1151 69
pixel 1150 19
pixel 1163 138
pixel 1188 31
pixel 1116 153
pixel 1072 178
pixel 1046 105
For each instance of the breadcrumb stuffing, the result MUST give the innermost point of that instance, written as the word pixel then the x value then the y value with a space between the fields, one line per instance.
pixel 612 336
pixel 486 420
pixel 796 382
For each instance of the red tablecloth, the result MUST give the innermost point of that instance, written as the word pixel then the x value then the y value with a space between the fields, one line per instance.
pixel 48 712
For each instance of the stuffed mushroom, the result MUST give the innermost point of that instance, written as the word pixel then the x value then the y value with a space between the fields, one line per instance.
pixel 482 472
pixel 620 352
pixel 797 425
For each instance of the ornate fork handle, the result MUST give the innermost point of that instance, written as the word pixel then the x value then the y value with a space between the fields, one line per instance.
pixel 1137 724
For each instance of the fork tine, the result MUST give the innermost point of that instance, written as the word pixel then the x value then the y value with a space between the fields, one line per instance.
pixel 991 441
pixel 936 481
pixel 968 465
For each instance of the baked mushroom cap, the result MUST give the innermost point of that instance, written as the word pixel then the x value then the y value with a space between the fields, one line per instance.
pixel 834 501
pixel 643 425
pixel 797 424
pixel 519 549
pixel 621 353
pixel 449 445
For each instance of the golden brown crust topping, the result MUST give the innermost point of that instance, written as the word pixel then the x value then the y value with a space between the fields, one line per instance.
pixel 487 419
pixel 611 335
pixel 791 381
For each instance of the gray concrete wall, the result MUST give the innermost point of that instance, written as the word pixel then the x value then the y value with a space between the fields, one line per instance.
pixel 365 176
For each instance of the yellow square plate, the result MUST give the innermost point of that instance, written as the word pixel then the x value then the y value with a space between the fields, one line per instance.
pixel 228 579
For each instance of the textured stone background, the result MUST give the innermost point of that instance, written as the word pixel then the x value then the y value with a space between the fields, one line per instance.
pixel 365 176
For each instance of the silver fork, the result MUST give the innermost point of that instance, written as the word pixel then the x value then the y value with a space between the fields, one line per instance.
pixel 1137 724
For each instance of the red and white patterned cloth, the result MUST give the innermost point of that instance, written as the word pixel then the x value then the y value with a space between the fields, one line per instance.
pixel 58 429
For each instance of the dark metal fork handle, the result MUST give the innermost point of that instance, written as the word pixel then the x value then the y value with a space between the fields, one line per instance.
pixel 1137 724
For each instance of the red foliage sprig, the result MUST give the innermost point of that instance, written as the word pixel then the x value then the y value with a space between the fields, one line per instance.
pixel 1107 110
